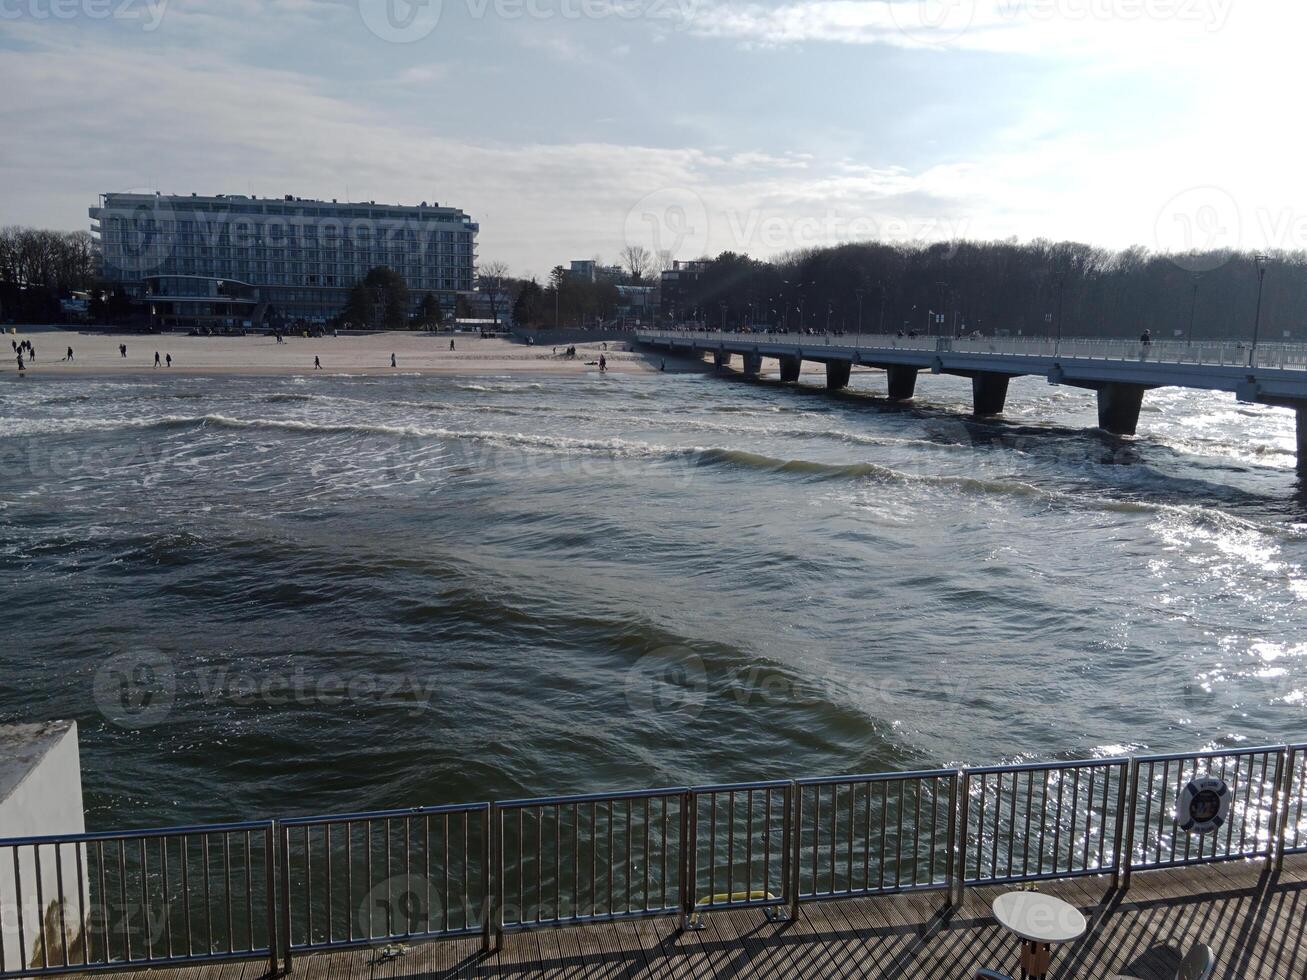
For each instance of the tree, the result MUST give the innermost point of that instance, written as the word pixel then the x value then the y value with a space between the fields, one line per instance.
pixel 359 307
pixel 492 280
pixel 429 311
pixel 390 296
pixel 638 261
pixel 528 309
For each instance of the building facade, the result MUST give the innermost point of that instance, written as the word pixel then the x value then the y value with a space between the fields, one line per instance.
pixel 229 260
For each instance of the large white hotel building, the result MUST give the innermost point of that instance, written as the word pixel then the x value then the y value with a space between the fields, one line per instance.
pixel 230 259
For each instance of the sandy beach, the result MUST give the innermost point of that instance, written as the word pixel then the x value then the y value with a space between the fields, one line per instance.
pixel 415 353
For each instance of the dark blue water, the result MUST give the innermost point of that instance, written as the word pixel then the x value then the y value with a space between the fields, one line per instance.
pixel 272 596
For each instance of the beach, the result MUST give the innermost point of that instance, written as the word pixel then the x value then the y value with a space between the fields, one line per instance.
pixel 415 353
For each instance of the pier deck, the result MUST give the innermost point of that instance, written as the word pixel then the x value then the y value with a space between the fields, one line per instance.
pixel 1256 924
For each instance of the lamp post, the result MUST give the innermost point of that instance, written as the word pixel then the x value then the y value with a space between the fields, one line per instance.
pixel 1059 278
pixel 858 293
pixel 830 308
pixel 1257 317
pixel 1193 308
pixel 880 327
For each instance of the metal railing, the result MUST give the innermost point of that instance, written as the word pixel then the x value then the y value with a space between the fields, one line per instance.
pixel 1253 776
pixel 1039 822
pixel 362 878
pixel 875 834
pixel 84 902
pixel 589 858
pixel 1229 353
pixel 273 889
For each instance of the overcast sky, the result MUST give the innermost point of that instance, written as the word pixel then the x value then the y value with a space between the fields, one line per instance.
pixel 569 128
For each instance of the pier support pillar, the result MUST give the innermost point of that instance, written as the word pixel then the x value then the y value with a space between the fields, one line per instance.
pixel 790 367
pixel 902 380
pixel 1302 438
pixel 988 394
pixel 753 365
pixel 721 359
pixel 1118 407
pixel 837 374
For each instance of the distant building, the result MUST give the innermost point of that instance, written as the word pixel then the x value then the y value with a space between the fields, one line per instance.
pixel 678 289
pixel 588 270
pixel 229 259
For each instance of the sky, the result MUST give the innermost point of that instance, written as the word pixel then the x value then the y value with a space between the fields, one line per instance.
pixel 572 128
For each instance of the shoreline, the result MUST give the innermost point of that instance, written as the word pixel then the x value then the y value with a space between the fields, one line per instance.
pixel 416 355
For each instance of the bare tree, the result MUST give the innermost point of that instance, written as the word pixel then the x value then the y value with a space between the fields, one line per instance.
pixel 638 261
pixel 664 260
pixel 492 279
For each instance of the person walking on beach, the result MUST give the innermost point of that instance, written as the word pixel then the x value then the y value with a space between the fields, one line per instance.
pixel 392 358
pixel 317 365
pixel 69 355
pixel 451 343
pixel 169 359
pixel 603 364
pixel 21 365
pixel 156 358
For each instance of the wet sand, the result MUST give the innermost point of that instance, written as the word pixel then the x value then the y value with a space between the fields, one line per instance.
pixel 415 353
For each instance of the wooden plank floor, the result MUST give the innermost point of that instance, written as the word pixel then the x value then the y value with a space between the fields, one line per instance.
pixel 1254 922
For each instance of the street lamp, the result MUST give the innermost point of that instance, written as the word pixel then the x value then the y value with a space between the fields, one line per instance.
pixel 1059 278
pixel 1193 307
pixel 1257 318
pixel 858 293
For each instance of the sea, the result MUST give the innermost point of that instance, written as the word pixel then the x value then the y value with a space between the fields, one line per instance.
pixel 275 596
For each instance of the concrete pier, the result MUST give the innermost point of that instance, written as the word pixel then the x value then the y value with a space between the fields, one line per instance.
pixel 1118 407
pixel 989 393
pixel 752 365
pixel 1301 412
pixel 721 359
pixel 902 381
pixel 790 368
pixel 837 374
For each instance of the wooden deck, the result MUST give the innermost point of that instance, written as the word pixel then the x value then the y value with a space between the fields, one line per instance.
pixel 1254 922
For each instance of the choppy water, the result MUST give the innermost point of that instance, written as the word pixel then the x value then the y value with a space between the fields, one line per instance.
pixel 273 596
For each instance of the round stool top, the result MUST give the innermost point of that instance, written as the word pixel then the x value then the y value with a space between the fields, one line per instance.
pixel 1039 918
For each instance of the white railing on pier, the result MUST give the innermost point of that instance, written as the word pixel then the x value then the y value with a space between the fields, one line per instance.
pixel 1227 353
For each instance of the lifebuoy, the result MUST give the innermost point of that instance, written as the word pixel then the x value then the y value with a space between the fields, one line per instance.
pixel 1203 805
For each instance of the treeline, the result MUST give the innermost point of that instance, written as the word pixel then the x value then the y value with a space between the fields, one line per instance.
pixel 960 287
pixel 563 300
pixel 38 268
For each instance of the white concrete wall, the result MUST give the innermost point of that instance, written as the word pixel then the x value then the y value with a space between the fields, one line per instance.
pixel 41 795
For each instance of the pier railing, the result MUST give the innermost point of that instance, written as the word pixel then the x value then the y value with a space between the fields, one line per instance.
pixel 1226 353
pixel 277 889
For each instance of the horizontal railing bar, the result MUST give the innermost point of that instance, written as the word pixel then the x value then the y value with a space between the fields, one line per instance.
pixel 159 961
pixel 1212 754
pixel 518 925
pixel 740 787
pixel 416 811
pixel 877 777
pixel 1048 766
pixel 640 794
pixel 112 835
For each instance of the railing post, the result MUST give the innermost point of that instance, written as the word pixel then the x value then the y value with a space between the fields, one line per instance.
pixel 283 840
pixel 1127 858
pixel 689 856
pixel 964 818
pixel 1119 833
pixel 270 885
pixel 951 850
pixel 787 837
pixel 1282 825
pixel 792 855
pixel 1273 832
pixel 491 852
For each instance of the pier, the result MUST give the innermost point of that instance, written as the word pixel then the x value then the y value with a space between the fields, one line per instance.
pixel 1121 372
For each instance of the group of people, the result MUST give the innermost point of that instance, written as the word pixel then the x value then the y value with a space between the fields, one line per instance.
pixel 25 347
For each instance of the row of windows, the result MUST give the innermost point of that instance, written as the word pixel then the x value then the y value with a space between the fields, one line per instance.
pixel 241 233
